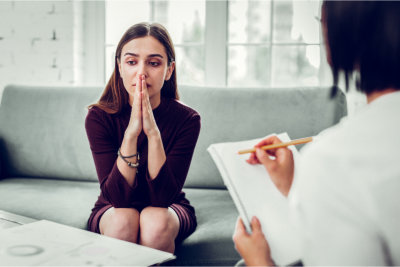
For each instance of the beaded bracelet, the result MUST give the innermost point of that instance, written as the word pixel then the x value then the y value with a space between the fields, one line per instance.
pixel 127 157
pixel 130 164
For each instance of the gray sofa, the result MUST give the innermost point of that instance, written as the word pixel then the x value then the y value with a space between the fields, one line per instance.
pixel 48 171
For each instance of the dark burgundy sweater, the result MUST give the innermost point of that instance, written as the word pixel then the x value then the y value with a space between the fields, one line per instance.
pixel 179 126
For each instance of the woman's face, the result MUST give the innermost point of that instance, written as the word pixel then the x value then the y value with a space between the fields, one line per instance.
pixel 145 56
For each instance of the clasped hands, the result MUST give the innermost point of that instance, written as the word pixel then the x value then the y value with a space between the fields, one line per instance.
pixel 142 117
pixel 279 163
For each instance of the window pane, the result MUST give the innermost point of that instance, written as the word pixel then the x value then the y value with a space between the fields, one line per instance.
pixel 249 66
pixel 294 21
pixel 120 15
pixel 249 21
pixel 190 64
pixel 110 63
pixel 185 20
pixel 295 65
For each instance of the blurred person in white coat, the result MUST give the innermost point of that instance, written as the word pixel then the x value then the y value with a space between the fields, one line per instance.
pixel 345 189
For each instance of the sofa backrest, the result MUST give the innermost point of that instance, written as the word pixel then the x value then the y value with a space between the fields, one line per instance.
pixel 247 113
pixel 42 132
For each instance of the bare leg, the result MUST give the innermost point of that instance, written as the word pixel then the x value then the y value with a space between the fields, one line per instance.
pixel 121 223
pixel 158 228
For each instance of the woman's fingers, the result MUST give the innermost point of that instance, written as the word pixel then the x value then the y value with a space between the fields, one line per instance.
pixel 137 101
pixel 135 123
pixel 280 166
pixel 269 141
pixel 145 98
pixel 254 157
pixel 240 228
pixel 256 225
pixel 240 231
pixel 263 157
pixel 149 124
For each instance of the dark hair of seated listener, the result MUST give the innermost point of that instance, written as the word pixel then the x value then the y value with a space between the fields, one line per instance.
pixel 363 39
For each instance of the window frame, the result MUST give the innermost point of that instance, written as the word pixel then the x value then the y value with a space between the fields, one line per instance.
pixel 92 59
pixel 216 44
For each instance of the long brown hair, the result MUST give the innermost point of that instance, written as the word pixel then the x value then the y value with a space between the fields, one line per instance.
pixel 114 96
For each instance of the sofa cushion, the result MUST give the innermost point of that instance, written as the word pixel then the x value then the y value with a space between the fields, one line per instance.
pixel 62 201
pixel 70 203
pixel 237 114
pixel 211 244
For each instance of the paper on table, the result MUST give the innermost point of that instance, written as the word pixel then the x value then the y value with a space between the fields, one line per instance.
pixel 254 194
pixel 52 244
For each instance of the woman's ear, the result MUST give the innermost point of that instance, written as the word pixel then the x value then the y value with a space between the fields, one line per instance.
pixel 170 70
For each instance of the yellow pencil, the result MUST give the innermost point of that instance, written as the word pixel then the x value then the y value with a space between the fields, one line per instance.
pixel 273 146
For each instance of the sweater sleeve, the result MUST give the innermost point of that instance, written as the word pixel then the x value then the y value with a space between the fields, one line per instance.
pixel 113 185
pixel 165 187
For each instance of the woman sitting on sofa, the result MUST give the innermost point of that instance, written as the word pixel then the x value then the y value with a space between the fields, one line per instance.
pixel 142 140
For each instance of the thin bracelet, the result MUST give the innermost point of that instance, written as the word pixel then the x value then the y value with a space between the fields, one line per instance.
pixel 127 157
pixel 130 164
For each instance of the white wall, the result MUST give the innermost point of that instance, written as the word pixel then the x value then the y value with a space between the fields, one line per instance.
pixel 36 42
pixel 51 43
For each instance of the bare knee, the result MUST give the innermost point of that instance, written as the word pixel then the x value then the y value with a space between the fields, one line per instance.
pixel 120 223
pixel 158 228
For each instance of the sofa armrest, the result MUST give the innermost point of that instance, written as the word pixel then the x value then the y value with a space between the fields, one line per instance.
pixel 2 164
pixel 1 173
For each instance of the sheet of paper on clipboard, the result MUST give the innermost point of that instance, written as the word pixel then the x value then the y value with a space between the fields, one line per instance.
pixel 254 194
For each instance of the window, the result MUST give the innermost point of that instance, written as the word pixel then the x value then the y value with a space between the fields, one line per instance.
pixel 185 21
pixel 232 42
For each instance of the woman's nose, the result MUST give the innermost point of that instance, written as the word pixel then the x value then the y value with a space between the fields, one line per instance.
pixel 142 69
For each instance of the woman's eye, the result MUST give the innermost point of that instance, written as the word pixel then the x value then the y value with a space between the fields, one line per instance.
pixel 131 62
pixel 154 63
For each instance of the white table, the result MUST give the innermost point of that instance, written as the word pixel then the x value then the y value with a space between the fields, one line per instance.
pixel 29 242
pixel 8 220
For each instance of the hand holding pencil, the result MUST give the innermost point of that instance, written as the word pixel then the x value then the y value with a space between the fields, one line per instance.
pixel 278 145
pixel 281 167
